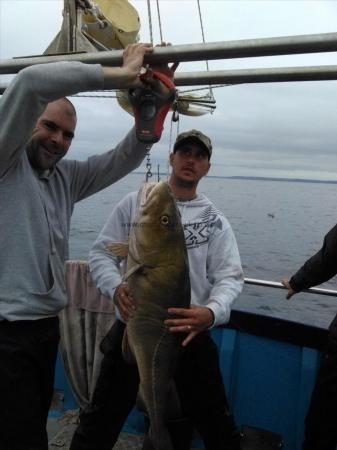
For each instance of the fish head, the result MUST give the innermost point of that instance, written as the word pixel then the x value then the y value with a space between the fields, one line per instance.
pixel 157 230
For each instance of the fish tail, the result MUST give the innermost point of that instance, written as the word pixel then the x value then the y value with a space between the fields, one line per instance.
pixel 155 395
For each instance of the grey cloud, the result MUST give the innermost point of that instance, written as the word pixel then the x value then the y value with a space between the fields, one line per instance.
pixel 257 129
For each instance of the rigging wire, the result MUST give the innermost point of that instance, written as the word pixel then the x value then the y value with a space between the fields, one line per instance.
pixel 150 20
pixel 159 22
pixel 200 103
pixel 202 88
pixel 203 40
pixel 182 92
pixel 148 155
pixel 175 115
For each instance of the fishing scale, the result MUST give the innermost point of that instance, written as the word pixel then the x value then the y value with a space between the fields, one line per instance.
pixel 150 108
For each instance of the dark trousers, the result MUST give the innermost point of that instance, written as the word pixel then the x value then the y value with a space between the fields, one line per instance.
pixel 113 399
pixel 321 420
pixel 28 352
pixel 203 397
pixel 199 385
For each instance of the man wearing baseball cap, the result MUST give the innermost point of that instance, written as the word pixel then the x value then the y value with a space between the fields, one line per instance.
pixel 194 136
pixel 216 279
pixel 190 161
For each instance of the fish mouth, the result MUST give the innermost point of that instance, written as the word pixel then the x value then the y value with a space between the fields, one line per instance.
pixel 151 190
pixel 145 192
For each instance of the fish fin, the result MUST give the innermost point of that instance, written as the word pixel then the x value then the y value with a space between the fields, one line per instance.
pixel 118 248
pixel 126 350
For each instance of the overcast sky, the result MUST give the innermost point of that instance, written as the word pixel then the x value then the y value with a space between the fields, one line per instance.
pixel 273 129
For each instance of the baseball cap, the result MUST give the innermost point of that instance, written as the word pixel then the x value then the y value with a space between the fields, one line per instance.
pixel 194 135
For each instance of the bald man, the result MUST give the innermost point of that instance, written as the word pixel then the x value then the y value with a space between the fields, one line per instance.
pixel 38 190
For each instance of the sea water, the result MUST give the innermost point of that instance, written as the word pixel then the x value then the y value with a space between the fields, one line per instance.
pixel 277 224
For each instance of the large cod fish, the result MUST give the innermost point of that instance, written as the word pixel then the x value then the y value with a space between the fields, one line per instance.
pixel 158 276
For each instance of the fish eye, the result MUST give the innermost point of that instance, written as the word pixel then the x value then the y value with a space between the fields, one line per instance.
pixel 164 220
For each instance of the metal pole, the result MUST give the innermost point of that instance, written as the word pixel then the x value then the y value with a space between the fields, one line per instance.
pixel 245 48
pixel 276 285
pixel 271 75
pixel 268 75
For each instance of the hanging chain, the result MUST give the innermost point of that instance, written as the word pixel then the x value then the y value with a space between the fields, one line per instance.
pixel 148 164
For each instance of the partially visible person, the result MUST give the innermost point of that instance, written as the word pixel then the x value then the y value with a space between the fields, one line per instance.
pixel 321 421
pixel 38 190
pixel 216 280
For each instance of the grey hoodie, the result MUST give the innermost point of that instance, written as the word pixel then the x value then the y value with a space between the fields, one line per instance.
pixel 215 268
pixel 36 209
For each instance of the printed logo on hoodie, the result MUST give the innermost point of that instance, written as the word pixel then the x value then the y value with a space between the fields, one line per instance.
pixel 197 232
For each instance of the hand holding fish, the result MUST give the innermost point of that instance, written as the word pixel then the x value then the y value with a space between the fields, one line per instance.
pixel 193 320
pixel 124 301
pixel 286 284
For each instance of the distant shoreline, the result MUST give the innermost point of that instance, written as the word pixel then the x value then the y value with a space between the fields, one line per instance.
pixel 295 180
pixel 251 178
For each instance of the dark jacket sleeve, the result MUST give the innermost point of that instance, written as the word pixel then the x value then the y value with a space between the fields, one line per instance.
pixel 320 267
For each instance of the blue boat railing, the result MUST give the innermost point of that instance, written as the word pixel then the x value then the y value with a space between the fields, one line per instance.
pixel 269 367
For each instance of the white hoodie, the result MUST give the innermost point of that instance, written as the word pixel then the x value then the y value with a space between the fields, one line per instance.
pixel 215 268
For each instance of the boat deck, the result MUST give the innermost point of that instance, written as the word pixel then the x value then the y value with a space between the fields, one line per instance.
pixel 60 431
pixel 62 424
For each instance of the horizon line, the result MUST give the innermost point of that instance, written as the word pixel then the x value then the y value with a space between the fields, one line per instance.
pixel 257 178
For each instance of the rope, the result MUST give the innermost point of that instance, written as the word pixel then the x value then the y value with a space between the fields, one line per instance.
pixel 150 20
pixel 203 40
pixel 114 96
pixel 202 88
pixel 159 22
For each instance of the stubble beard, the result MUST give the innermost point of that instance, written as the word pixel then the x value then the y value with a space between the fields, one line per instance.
pixel 186 183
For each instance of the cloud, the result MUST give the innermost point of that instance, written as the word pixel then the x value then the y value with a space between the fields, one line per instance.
pixel 257 129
